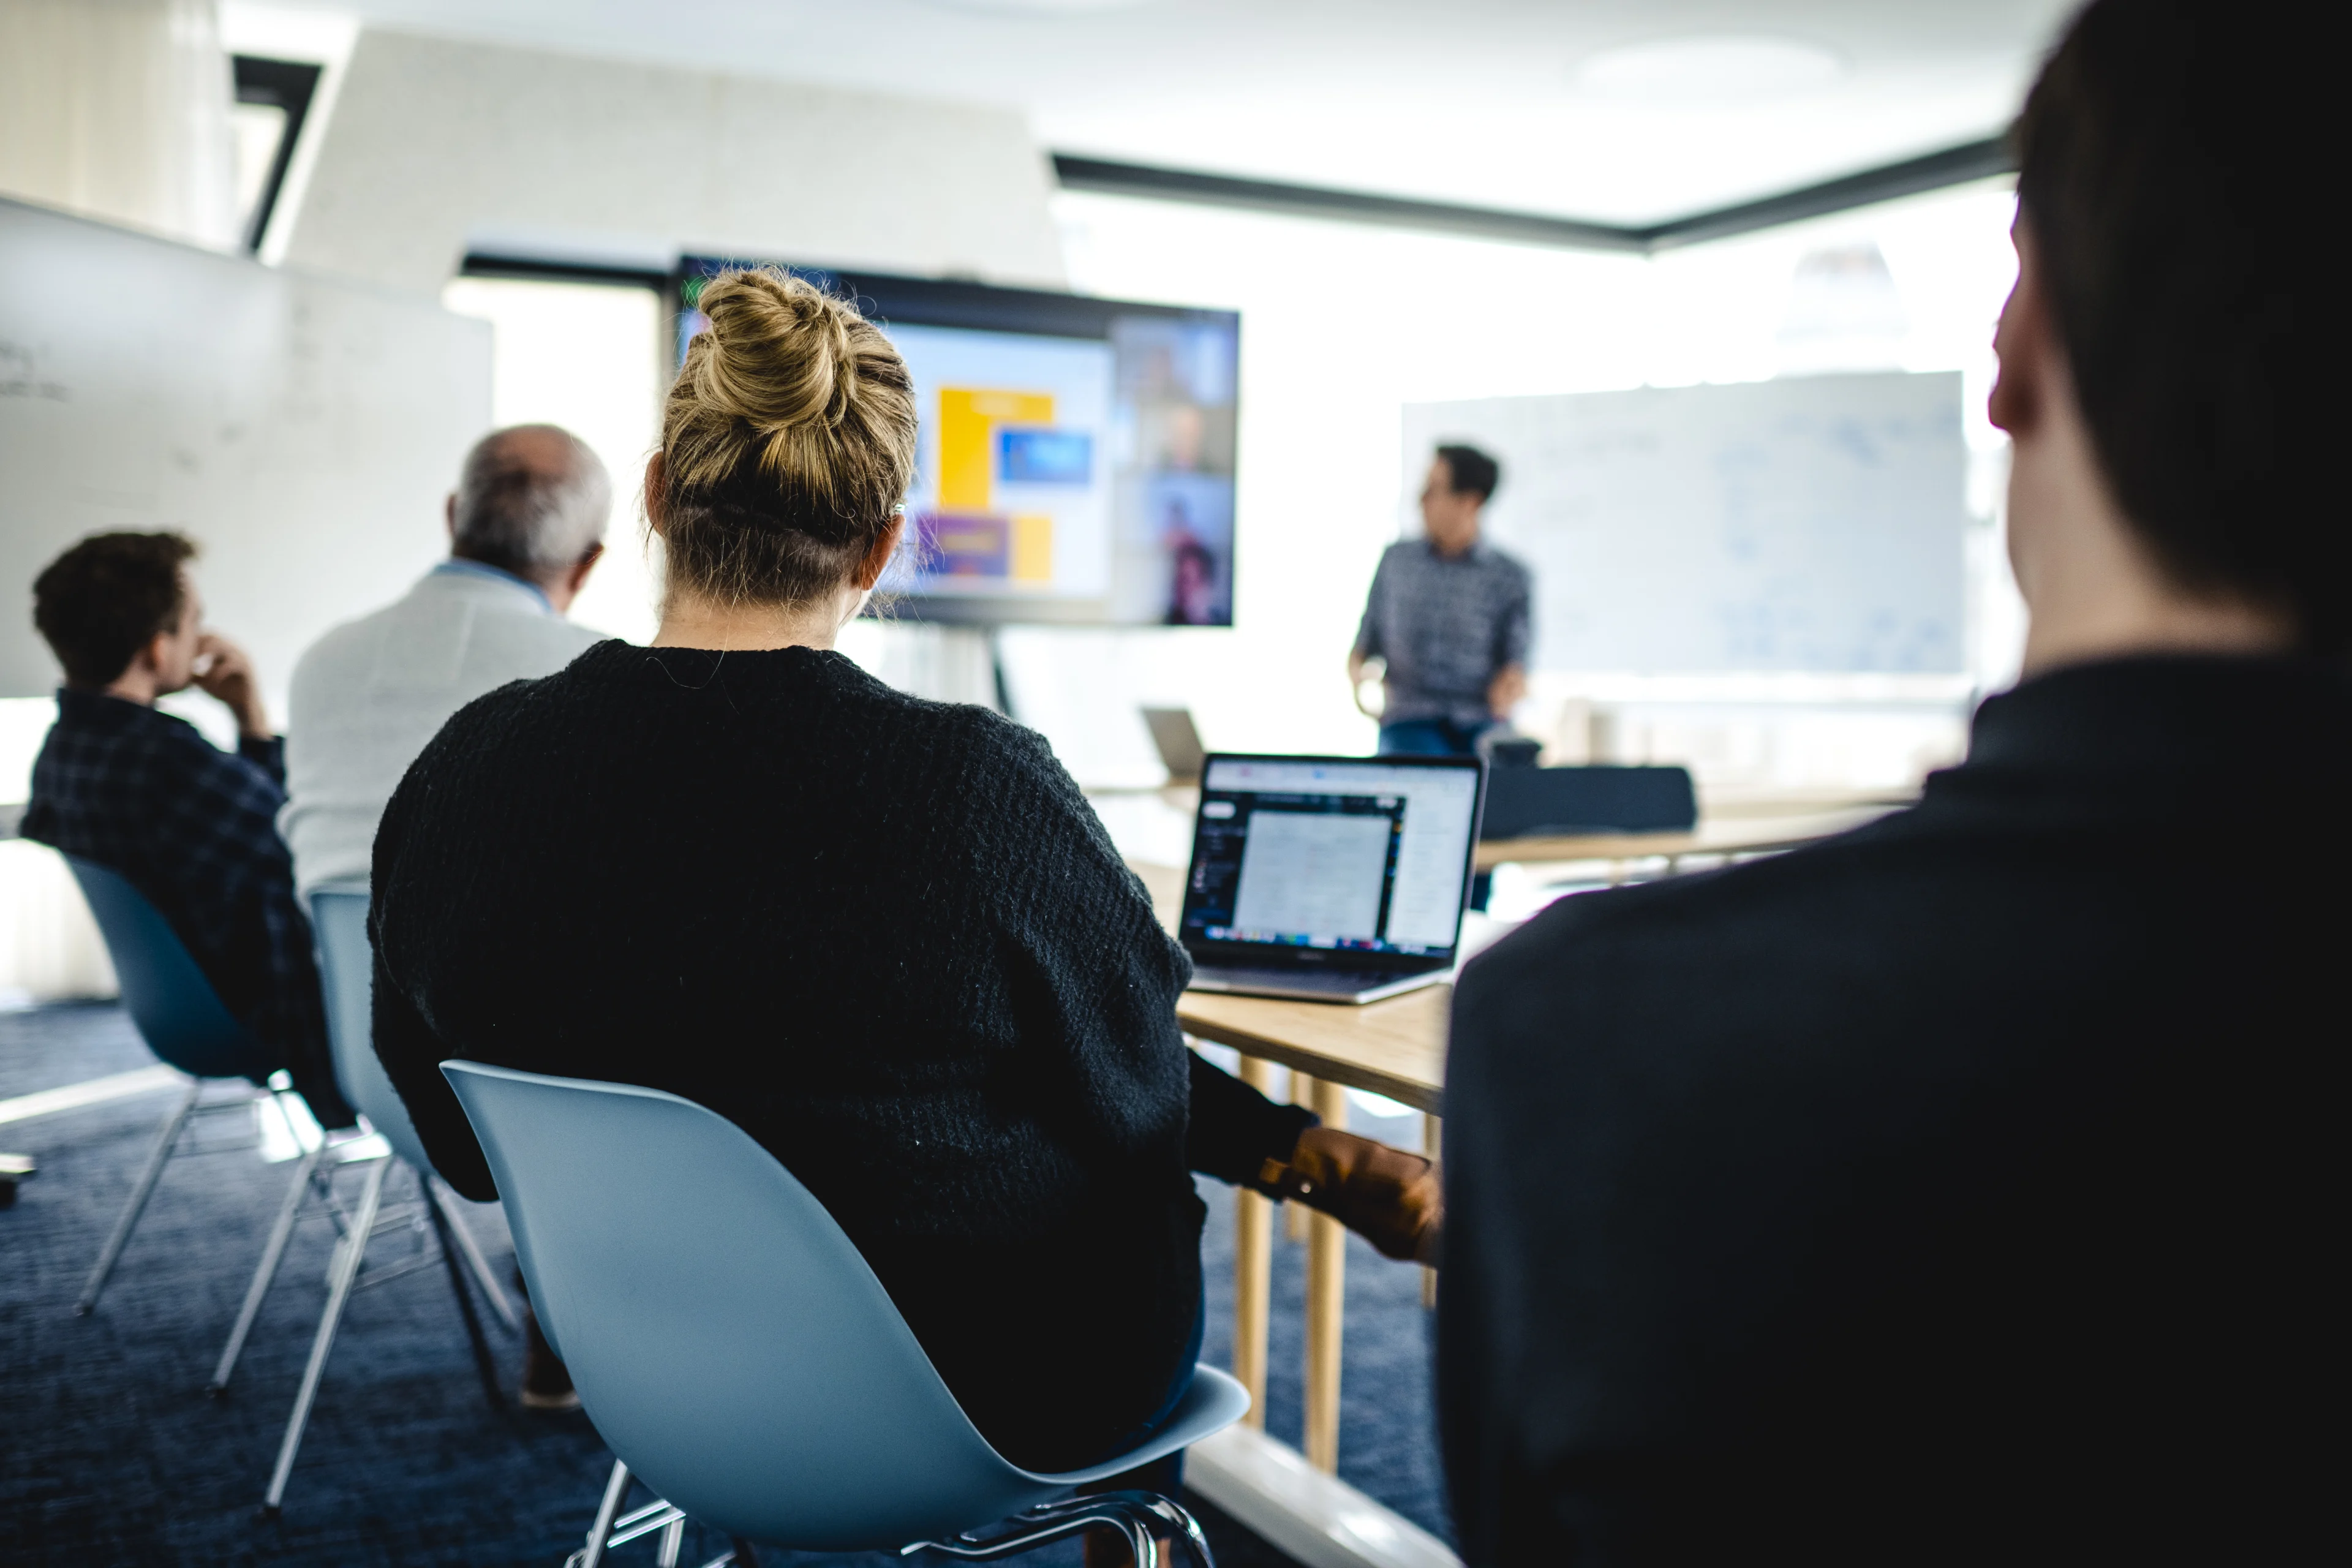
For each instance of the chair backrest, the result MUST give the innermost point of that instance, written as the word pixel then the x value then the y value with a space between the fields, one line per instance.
pixel 339 912
pixel 1525 802
pixel 725 1335
pixel 178 1013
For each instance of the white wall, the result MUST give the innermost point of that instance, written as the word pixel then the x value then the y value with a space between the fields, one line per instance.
pixel 119 110
pixel 1343 325
pixel 436 144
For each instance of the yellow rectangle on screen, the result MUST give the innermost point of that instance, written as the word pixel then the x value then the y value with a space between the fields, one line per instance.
pixel 1032 547
pixel 968 417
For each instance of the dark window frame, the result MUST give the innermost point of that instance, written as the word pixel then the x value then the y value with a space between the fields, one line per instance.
pixel 288 85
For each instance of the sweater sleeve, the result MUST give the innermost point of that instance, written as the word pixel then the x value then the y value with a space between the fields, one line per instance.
pixel 1113 977
pixel 1235 1129
pixel 1092 979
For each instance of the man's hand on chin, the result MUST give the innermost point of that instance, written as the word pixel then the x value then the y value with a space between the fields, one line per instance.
pixel 225 674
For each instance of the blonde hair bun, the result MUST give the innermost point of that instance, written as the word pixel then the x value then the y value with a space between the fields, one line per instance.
pixel 779 352
pixel 788 440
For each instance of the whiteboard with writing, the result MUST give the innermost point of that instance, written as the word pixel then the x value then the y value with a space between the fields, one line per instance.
pixel 1810 524
pixel 302 430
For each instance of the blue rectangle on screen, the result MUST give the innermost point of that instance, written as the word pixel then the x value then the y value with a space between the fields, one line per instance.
pixel 1031 456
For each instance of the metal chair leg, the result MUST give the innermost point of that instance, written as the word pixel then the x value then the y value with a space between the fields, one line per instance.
pixel 1138 1516
pixel 362 1228
pixel 265 1271
pixel 139 1196
pixel 442 1226
pixel 444 1204
pixel 616 1488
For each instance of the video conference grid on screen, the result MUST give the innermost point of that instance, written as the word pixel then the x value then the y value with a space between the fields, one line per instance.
pixel 1366 857
pixel 1076 457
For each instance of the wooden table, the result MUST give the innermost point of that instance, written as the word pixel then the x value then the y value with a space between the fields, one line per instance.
pixel 1713 835
pixel 1397 1048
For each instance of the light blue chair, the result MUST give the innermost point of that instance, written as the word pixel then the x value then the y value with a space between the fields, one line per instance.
pixel 184 1022
pixel 347 970
pixel 735 1351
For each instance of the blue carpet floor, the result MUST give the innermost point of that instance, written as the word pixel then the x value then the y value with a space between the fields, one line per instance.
pixel 111 1454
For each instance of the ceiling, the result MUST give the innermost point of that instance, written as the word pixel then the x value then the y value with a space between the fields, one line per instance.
pixel 1622 111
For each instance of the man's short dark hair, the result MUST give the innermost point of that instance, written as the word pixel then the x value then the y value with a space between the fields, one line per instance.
pixel 2169 162
pixel 1472 471
pixel 103 601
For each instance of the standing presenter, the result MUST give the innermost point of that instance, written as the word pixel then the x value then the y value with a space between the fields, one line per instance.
pixel 1448 617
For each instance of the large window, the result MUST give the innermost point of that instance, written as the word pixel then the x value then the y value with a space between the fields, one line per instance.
pixel 592 358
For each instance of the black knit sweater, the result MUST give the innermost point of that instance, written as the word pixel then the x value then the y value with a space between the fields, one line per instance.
pixel 886 937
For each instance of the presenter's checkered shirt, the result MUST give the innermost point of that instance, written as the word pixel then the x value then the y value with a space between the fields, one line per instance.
pixel 1448 626
pixel 193 828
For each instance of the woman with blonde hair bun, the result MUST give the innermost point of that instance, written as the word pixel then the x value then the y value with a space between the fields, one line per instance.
pixel 886 937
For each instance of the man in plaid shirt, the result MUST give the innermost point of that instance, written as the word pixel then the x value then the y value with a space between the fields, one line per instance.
pixel 143 794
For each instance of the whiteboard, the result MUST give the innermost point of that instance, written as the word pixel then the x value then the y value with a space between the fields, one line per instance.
pixel 302 431
pixel 1810 524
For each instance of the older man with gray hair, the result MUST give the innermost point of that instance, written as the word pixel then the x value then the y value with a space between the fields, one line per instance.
pixel 526 527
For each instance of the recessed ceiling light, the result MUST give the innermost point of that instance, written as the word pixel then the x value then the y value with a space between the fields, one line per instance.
pixel 1709 69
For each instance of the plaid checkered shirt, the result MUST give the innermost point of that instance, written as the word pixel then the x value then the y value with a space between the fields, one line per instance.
pixel 193 828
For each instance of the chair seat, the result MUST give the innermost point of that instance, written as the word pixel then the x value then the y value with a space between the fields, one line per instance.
pixel 728 1339
pixel 1215 1402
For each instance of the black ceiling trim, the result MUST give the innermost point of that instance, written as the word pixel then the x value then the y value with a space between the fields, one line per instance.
pixel 1079 173
pixel 1952 166
pixel 290 85
pixel 483 264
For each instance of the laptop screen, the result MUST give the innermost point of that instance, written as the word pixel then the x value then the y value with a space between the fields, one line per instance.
pixel 1346 854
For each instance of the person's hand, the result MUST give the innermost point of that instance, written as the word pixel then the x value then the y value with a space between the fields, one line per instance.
pixel 225 674
pixel 1392 1198
pixel 1364 672
pixel 1503 693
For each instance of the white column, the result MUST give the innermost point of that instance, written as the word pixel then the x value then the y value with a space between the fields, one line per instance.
pixel 119 110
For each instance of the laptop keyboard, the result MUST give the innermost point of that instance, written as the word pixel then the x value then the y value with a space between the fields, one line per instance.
pixel 1324 981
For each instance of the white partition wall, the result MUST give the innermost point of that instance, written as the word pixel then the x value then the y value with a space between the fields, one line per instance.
pixel 302 431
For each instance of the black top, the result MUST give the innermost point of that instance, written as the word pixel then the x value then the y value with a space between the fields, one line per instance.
pixel 196 829
pixel 1956 1189
pixel 886 937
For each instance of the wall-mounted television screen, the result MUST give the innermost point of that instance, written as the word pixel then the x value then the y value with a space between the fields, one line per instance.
pixel 1075 461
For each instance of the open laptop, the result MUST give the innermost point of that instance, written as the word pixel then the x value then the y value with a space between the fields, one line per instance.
pixel 1179 742
pixel 1329 878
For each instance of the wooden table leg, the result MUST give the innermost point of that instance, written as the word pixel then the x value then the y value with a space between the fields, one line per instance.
pixel 1327 1281
pixel 1294 1215
pixel 1253 1270
pixel 1430 1141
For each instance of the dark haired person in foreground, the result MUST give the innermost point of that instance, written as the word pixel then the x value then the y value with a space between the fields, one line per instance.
pixel 886 937
pixel 1963 1188
pixel 143 794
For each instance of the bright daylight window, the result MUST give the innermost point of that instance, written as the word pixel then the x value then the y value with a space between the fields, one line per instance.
pixel 593 358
